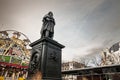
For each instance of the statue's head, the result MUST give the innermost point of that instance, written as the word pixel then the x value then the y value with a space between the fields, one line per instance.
pixel 50 13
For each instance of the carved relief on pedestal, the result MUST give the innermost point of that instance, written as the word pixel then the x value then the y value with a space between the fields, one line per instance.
pixel 35 60
pixel 53 56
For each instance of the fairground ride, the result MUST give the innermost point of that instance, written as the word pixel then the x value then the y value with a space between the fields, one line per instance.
pixel 14 54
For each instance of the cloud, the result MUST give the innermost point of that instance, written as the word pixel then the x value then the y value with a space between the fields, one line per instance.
pixel 83 26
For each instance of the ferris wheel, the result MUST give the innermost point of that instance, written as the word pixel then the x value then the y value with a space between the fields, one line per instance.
pixel 14 43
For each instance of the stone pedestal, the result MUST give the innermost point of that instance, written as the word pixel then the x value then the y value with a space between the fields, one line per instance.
pixel 46 58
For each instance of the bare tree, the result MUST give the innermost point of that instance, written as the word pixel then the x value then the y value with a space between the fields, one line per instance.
pixel 83 60
pixel 89 60
pixel 96 60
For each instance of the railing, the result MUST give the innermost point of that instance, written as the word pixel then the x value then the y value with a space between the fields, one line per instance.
pixel 111 72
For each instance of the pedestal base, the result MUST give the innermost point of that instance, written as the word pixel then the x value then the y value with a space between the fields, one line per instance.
pixel 46 58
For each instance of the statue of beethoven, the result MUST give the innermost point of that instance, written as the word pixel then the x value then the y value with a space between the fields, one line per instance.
pixel 48 26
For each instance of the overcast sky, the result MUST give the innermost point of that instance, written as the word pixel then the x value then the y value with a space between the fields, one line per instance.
pixel 83 26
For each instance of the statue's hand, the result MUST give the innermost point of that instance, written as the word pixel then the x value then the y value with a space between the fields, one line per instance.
pixel 49 19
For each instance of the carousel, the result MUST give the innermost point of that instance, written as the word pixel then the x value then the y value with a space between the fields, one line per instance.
pixel 14 55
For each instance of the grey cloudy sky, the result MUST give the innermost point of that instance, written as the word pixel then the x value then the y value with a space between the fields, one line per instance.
pixel 83 26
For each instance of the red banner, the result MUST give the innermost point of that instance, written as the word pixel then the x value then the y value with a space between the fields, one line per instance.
pixel 12 65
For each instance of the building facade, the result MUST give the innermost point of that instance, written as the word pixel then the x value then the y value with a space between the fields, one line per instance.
pixel 71 66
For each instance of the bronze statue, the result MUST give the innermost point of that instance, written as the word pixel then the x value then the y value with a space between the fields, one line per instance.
pixel 48 26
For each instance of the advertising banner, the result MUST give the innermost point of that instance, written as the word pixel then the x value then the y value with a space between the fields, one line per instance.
pixel 4 58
